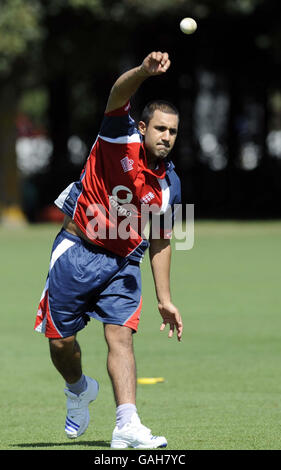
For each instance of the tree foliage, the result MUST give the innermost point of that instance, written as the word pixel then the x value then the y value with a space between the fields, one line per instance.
pixel 22 21
pixel 19 29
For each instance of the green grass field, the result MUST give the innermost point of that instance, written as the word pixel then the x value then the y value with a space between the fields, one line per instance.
pixel 222 386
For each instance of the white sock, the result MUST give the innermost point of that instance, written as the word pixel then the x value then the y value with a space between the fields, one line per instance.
pixel 124 413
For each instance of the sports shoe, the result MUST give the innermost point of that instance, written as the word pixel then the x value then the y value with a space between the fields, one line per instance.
pixel 135 435
pixel 78 417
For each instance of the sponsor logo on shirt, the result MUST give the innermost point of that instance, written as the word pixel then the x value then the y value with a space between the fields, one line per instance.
pixel 117 202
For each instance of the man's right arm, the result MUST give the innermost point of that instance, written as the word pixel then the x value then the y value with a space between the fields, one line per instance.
pixel 156 63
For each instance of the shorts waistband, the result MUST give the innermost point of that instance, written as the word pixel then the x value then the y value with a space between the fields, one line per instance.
pixel 90 246
pixel 81 241
pixel 135 256
pixel 71 236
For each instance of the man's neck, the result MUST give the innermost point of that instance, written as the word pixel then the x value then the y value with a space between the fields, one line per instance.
pixel 152 162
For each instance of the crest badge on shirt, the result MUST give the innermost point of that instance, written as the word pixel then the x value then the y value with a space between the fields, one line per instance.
pixel 127 164
pixel 147 198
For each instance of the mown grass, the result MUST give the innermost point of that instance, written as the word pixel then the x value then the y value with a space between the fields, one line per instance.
pixel 222 383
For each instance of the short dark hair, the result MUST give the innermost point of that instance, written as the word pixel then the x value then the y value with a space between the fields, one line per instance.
pixel 161 105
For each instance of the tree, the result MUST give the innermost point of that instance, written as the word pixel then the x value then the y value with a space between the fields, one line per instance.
pixel 57 44
pixel 18 31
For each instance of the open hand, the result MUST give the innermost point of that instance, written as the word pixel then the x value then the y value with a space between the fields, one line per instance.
pixel 171 315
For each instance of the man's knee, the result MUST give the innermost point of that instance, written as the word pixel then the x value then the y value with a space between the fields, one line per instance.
pixel 61 345
pixel 118 336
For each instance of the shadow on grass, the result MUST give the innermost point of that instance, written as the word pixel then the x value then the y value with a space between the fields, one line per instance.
pixel 34 445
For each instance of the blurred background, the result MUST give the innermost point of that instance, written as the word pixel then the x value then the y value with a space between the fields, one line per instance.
pixel 59 59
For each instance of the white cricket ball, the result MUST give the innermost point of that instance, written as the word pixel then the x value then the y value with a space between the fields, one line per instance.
pixel 188 25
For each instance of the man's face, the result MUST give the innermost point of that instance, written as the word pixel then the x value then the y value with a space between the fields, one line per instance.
pixel 160 134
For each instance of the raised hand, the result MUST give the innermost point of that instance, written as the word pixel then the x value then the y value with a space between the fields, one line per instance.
pixel 156 63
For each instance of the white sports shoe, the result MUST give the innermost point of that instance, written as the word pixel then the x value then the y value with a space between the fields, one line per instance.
pixel 78 417
pixel 135 435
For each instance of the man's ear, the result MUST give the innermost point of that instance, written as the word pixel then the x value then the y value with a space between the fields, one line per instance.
pixel 142 128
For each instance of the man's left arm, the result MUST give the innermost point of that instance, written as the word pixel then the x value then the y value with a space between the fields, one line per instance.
pixel 160 260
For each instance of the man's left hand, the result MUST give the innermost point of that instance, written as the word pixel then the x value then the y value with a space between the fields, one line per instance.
pixel 171 316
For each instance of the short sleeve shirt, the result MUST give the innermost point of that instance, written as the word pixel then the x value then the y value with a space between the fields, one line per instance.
pixel 117 193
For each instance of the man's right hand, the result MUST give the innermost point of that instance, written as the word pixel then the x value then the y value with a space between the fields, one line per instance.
pixel 156 63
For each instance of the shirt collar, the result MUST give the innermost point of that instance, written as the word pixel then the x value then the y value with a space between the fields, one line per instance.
pixel 159 171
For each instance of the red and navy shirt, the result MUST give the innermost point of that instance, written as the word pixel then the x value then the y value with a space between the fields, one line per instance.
pixel 116 188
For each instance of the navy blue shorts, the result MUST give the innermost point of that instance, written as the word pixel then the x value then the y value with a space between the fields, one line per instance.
pixel 86 281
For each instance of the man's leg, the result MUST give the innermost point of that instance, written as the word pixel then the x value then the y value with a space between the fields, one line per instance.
pixel 121 368
pixel 80 391
pixel 66 357
pixel 121 363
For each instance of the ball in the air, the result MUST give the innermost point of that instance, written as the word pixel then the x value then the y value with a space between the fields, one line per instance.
pixel 188 25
